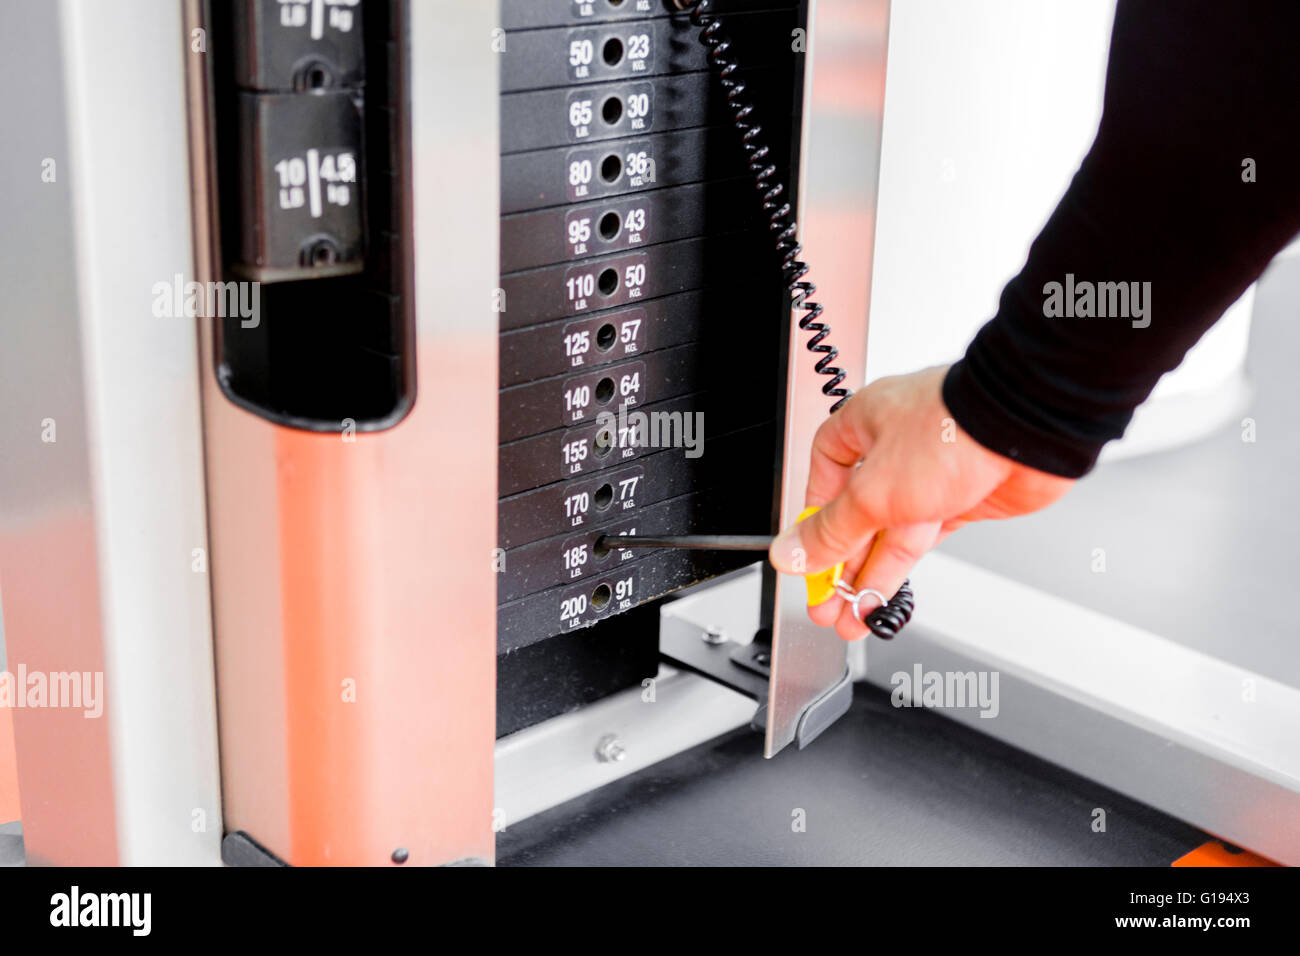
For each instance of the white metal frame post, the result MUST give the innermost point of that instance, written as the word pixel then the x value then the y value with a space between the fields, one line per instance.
pixel 102 523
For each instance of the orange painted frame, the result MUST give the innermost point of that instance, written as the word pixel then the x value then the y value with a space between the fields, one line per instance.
pixel 353 586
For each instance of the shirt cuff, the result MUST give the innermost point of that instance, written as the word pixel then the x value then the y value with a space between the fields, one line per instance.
pixel 981 415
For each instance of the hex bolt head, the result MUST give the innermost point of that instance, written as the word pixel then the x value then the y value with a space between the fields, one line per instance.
pixel 610 749
pixel 713 634
pixel 319 252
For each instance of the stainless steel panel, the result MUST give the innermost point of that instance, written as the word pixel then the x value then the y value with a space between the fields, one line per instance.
pixel 101 483
pixel 843 104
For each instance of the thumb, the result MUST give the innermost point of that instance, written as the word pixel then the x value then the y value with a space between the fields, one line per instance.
pixel 834 534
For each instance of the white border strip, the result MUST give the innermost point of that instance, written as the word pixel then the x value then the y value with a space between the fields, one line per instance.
pixel 129 175
pixel 543 766
pixel 1192 735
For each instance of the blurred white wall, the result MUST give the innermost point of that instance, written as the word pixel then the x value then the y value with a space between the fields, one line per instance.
pixel 989 107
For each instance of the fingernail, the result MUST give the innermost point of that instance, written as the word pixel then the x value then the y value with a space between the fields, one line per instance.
pixel 787 553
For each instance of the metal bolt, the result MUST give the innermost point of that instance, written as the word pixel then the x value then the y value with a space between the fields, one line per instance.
pixel 714 635
pixel 610 749
pixel 319 252
pixel 762 659
pixel 401 855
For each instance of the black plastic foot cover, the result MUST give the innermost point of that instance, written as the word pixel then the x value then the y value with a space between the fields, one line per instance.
pixel 240 849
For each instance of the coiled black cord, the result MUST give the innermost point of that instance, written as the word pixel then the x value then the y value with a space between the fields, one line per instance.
pixel 775 208
pixel 887 620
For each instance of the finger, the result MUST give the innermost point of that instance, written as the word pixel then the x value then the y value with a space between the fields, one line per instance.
pixel 840 443
pixel 846 625
pixel 894 554
pixel 850 627
pixel 892 557
pixel 828 612
pixel 839 530
pixel 951 525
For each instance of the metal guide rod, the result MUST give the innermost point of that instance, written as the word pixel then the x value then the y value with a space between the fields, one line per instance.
pixel 697 542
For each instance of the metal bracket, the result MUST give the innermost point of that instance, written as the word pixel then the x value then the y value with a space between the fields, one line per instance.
pixel 746 668
pixel 755 656
pixel 825 710
pixel 711 654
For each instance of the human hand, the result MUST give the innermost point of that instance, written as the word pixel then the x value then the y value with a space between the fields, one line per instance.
pixel 921 477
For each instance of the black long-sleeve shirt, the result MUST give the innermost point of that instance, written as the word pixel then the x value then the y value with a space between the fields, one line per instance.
pixel 1192 185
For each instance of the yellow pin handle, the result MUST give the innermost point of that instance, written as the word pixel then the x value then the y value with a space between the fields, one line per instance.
pixel 821 586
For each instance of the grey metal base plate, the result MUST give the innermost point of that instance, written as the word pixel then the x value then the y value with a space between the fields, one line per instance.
pixel 882 786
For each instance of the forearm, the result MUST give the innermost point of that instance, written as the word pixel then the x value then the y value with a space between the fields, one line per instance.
pixel 1160 225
